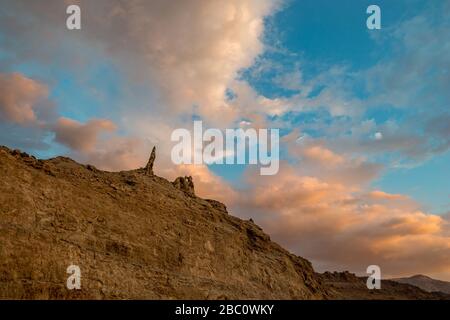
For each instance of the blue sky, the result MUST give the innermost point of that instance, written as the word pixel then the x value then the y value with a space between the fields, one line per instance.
pixel 322 34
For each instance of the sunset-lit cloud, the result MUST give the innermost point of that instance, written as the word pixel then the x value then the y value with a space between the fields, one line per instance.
pixel 345 228
pixel 350 112
pixel 78 136
pixel 189 52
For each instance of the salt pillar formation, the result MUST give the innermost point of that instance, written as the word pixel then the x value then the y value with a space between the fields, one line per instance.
pixel 149 166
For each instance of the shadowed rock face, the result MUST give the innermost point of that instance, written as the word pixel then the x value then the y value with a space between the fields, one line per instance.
pixel 133 235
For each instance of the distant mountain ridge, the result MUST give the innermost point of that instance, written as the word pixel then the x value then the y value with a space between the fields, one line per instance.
pixel 426 283
pixel 347 286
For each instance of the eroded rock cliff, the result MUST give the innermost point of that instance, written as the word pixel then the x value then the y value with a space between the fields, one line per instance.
pixel 133 235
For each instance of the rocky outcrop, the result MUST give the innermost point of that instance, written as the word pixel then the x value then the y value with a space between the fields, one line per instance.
pixel 149 167
pixel 185 184
pixel 217 205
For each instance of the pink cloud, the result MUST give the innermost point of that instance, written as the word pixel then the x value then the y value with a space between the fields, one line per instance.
pixel 340 226
pixel 323 156
pixel 380 195
pixel 115 153
pixel 79 136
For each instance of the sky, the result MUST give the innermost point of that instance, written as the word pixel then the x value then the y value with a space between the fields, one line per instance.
pixel 363 114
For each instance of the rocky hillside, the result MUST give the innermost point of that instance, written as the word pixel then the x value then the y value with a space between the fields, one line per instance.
pixel 135 236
